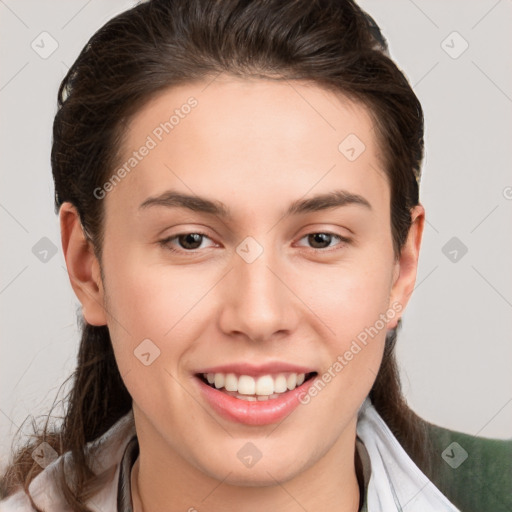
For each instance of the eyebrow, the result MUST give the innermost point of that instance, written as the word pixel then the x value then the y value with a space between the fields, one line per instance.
pixel 333 199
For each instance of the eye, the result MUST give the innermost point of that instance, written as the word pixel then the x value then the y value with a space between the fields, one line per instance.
pixel 191 241
pixel 188 241
pixel 319 240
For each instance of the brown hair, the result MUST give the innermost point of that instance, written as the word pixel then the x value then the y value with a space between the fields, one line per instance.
pixel 162 43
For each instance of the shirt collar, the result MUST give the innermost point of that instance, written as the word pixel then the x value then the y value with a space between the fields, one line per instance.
pixel 124 495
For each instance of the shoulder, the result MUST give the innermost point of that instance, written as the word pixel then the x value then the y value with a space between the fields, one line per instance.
pixel 475 473
pixel 106 453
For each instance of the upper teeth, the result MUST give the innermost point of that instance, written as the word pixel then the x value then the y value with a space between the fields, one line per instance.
pixel 247 385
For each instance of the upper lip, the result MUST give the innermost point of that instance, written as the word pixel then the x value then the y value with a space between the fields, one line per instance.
pixel 274 367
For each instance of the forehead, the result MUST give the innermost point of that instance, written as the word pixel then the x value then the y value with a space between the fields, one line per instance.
pixel 233 139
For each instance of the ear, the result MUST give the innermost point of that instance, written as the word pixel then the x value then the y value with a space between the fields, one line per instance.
pixel 83 266
pixel 404 272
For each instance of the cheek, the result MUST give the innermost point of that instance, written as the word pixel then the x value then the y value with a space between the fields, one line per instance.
pixel 352 301
pixel 152 299
pixel 157 303
pixel 348 297
pixel 162 302
pixel 148 299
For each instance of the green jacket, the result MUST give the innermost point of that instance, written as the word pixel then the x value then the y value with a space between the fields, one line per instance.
pixel 474 473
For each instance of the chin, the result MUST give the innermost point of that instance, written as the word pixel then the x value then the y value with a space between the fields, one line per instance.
pixel 260 475
pixel 260 479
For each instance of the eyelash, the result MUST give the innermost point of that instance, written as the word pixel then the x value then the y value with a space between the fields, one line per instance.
pixel 165 242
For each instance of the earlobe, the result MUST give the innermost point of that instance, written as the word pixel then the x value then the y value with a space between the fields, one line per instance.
pixel 82 266
pixel 404 273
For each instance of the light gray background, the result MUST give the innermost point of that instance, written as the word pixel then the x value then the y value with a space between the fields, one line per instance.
pixel 455 348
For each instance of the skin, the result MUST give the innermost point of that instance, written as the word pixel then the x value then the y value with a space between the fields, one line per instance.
pixel 256 145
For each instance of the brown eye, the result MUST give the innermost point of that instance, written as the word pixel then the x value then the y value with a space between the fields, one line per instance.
pixel 321 241
pixel 318 240
pixel 186 242
pixel 190 239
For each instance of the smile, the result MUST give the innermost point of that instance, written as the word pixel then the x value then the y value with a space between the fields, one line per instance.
pixel 251 389
pixel 254 398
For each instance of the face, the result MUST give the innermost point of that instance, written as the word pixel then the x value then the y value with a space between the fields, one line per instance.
pixel 250 286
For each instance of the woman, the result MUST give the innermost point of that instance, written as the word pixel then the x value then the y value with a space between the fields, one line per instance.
pixel 254 368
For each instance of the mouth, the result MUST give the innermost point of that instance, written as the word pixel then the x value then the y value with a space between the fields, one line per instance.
pixel 255 388
pixel 254 394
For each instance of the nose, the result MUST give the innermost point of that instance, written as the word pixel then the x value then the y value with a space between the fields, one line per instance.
pixel 259 303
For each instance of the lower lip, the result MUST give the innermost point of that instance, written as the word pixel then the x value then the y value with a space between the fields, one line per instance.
pixel 263 412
